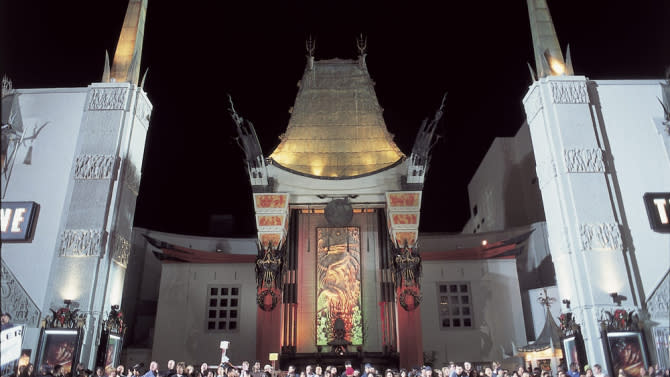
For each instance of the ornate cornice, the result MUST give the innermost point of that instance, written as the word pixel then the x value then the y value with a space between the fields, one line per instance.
pixel 569 92
pixel 107 99
pixel 602 236
pixel 94 166
pixel 81 242
pixel 16 300
pixel 584 160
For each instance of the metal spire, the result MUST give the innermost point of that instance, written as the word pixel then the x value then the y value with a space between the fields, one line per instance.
pixel 548 57
pixel 126 63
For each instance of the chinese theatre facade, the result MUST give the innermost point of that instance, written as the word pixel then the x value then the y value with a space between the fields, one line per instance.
pixel 337 211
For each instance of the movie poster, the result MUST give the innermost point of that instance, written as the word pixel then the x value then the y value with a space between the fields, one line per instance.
pixel 112 351
pixel 338 284
pixel 59 347
pixel 627 352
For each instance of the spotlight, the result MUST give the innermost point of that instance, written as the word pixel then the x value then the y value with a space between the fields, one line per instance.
pixel 617 298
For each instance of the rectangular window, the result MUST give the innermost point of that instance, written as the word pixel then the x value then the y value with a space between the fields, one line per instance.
pixel 223 305
pixel 454 305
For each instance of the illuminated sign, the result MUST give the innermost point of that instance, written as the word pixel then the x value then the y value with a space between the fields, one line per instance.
pixel 17 220
pixel 658 210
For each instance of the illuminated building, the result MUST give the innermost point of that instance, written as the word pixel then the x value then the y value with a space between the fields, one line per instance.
pixel 71 162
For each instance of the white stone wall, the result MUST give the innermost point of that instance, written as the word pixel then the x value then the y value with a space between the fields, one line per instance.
pixel 504 187
pixel 496 304
pixel 598 150
pixel 182 309
pixel 45 181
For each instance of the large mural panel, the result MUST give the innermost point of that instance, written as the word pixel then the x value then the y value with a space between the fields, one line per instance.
pixel 338 284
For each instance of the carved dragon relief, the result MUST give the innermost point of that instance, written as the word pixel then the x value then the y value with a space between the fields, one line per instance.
pixel 248 142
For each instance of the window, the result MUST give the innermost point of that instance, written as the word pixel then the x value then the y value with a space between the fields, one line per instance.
pixel 455 305
pixel 223 306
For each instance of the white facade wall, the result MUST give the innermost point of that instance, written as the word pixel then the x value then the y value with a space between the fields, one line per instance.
pixel 504 188
pixel 599 148
pixel 84 172
pixel 182 311
pixel 496 304
pixel 45 181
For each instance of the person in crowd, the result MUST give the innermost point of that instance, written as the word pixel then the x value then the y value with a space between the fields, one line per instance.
pixel 203 369
pixel 180 369
pixel 153 370
pixel 120 370
pixel 99 372
pixel 488 372
pixel 347 364
pixel 308 371
pixel 318 371
pixel 327 373
pixel 291 371
pixel 6 320
pixel 467 367
pixel 221 371
pixel 86 373
pixel 111 372
pixel 267 371
pixel 598 371
pixel 367 370
pixel 333 371
pixel 57 371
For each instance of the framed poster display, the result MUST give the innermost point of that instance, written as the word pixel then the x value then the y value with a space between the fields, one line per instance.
pixel 627 351
pixel 59 346
pixel 109 350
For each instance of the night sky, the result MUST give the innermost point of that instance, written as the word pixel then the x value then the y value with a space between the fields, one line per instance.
pixel 197 52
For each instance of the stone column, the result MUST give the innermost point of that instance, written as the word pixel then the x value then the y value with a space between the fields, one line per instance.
pixel 583 219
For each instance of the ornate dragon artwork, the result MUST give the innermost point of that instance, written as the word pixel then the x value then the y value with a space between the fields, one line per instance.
pixel 338 317
pixel 568 324
pixel 65 318
pixel 268 273
pixel 620 320
pixel 407 271
pixel 114 322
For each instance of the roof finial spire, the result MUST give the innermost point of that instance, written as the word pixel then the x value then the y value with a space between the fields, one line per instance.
pixel 310 45
pixel 126 63
pixel 362 45
pixel 548 57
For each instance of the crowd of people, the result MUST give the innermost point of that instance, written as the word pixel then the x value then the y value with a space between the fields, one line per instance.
pixel 181 369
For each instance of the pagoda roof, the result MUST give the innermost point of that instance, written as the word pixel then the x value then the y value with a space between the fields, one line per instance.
pixel 336 128
pixel 550 337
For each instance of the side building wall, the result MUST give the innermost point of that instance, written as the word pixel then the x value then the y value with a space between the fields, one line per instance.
pixel 182 318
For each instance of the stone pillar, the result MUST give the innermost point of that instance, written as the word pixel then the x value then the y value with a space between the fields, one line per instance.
pixel 583 219
pixel 96 226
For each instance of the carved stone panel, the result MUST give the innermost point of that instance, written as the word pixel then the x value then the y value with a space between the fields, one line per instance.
pixel 108 99
pixel 569 92
pixel 658 304
pixel 81 242
pixel 533 104
pixel 94 166
pixel 16 300
pixel 121 250
pixel 603 236
pixel 584 160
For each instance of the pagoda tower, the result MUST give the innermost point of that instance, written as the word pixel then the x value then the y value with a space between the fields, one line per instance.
pixel 337 208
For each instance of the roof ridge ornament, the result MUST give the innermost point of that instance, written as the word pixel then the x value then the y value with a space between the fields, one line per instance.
pixel 248 142
pixel 419 160
pixel 362 45
pixel 310 46
pixel 549 59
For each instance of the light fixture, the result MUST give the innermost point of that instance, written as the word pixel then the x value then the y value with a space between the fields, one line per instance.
pixel 617 298
pixel 485 242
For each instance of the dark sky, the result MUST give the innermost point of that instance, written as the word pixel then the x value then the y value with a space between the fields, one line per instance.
pixel 199 51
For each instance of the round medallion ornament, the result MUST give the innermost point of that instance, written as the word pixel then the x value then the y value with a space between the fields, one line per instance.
pixel 267 299
pixel 339 212
pixel 409 299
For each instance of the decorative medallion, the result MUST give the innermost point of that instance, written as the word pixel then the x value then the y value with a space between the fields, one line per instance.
pixel 339 212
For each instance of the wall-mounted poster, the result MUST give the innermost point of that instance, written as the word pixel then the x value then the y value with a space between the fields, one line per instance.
pixel 570 351
pixel 59 347
pixel 627 352
pixel 338 285
pixel 109 351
